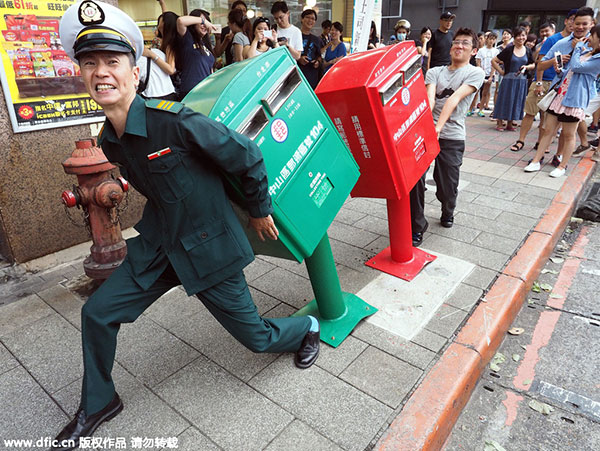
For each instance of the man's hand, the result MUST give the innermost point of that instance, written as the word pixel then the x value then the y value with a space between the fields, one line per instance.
pixel 438 130
pixel 303 60
pixel 264 227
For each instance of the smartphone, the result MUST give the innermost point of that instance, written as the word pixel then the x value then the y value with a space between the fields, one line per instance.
pixel 281 39
pixel 218 28
pixel 559 61
pixel 274 27
pixel 268 34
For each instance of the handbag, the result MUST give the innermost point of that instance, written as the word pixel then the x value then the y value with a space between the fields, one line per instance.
pixel 144 83
pixel 545 102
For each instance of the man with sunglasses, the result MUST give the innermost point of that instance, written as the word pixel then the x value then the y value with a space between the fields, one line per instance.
pixel 450 90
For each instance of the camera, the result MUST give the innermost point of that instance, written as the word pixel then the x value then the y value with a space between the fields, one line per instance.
pixel 268 34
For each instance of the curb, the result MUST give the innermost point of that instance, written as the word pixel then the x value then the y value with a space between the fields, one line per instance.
pixel 430 413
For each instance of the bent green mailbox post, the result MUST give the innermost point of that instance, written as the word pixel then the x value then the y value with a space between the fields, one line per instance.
pixel 311 172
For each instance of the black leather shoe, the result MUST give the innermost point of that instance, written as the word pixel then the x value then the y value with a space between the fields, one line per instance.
pixel 447 222
pixel 309 350
pixel 84 426
pixel 417 239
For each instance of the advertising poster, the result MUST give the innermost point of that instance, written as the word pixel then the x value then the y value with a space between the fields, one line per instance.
pixel 42 86
pixel 361 27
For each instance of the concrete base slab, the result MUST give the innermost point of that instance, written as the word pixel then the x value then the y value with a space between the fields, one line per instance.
pixel 406 307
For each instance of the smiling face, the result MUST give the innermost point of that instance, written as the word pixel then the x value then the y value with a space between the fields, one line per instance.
pixel 109 78
pixel 520 39
pixel 546 32
pixel 506 36
pixel 594 41
pixel 582 25
pixel 335 34
pixel 426 35
pixel 462 49
pixel 308 22
pixel 202 28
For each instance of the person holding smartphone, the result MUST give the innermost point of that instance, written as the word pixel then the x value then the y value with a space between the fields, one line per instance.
pixel 310 60
pixel 263 38
pixel 287 34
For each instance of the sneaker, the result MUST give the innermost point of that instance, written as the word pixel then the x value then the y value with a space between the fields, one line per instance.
pixel 556 160
pixel 480 114
pixel 581 149
pixel 596 157
pixel 532 167
pixel 592 129
pixel 558 172
pixel 469 113
pixel 594 142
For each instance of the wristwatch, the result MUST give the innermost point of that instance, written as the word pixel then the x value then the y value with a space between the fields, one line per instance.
pixel 538 83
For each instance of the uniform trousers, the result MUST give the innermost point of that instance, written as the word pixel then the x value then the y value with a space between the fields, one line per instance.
pixel 121 300
pixel 446 173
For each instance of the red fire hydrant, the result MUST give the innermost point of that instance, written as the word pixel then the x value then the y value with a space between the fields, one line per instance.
pixel 98 194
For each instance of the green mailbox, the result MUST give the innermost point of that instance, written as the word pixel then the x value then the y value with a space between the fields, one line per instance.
pixel 311 171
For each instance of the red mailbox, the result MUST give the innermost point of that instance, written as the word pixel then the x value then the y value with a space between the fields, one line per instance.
pixel 378 102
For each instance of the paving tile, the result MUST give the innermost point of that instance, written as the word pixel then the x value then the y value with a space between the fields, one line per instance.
pixel 466 196
pixel 446 320
pixel 257 268
pixel 457 232
pixel 464 297
pixel 150 352
pixel 477 209
pixel 372 224
pixel 368 206
pixel 218 403
pixel 351 256
pixel 533 200
pixel 378 245
pixel 27 411
pixel 193 440
pixel 507 205
pixel 497 243
pixel 21 313
pixel 285 286
pixel 408 351
pixel 481 278
pixel 512 219
pixel 281 311
pixel 300 437
pixel 349 216
pixel 474 254
pixel 336 360
pixel 341 412
pixel 50 349
pixel 476 178
pixel 263 301
pixel 290 265
pixel 524 188
pixel 352 281
pixel 494 191
pixel 7 361
pixel 486 168
pixel 172 306
pixel 492 226
pixel 205 334
pixel 542 180
pixel 144 414
pixel 350 235
pixel 65 303
pixel 392 381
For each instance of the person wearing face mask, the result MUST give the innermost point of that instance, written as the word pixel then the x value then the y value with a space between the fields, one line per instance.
pixel 402 30
pixel 195 58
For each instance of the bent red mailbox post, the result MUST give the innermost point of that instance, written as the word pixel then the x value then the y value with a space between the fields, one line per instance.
pixel 378 102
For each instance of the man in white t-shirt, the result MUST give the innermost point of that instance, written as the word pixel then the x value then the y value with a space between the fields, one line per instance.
pixel 450 90
pixel 287 34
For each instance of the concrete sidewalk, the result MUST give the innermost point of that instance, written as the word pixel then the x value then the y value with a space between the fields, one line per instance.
pixel 181 375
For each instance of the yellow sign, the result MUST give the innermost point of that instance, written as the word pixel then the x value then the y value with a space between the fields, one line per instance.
pixel 42 86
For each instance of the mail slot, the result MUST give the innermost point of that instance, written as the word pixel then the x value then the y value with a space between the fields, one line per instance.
pixel 310 170
pixel 378 102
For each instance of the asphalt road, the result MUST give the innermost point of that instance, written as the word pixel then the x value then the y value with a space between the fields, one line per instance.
pixel 542 389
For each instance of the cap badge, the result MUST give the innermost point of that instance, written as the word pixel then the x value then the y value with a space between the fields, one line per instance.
pixel 90 13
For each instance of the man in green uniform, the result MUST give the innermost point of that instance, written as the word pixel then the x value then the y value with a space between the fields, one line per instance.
pixel 189 233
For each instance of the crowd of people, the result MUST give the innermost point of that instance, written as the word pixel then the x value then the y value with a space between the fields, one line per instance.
pixel 189 48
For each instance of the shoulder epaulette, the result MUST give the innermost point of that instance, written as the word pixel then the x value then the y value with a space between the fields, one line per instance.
pixel 164 105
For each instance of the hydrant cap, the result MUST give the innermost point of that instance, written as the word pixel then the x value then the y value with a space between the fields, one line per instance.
pixel 87 158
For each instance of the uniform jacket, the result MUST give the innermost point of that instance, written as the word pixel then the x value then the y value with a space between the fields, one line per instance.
pixel 176 157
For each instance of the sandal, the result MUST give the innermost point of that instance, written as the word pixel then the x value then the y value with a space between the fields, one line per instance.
pixel 510 129
pixel 500 129
pixel 536 146
pixel 517 146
